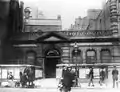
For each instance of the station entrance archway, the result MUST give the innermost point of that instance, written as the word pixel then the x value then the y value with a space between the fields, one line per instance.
pixel 52 58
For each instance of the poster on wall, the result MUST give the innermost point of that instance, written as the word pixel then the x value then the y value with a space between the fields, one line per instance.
pixel 96 73
pixel 38 73
pixel 87 70
pixel 10 74
pixel 0 74
pixel 82 73
pixel 58 72
pixel 17 73
pixel 4 73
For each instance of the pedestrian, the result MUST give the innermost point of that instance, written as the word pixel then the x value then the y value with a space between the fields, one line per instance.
pixel 31 77
pixel 21 78
pixel 102 76
pixel 64 71
pixel 91 76
pixel 60 85
pixel 24 80
pixel 68 78
pixel 115 77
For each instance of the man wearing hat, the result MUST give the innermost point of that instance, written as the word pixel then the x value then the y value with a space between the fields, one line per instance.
pixel 115 76
pixel 68 78
pixel 91 76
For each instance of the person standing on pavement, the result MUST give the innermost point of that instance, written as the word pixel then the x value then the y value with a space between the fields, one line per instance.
pixel 102 76
pixel 91 76
pixel 68 78
pixel 64 70
pixel 115 77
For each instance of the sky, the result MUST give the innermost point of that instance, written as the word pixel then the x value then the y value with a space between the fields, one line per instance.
pixel 68 9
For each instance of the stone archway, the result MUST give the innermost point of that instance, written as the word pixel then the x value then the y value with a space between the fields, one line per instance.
pixel 52 58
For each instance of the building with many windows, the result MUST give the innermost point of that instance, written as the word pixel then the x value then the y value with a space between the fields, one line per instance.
pixel 41 43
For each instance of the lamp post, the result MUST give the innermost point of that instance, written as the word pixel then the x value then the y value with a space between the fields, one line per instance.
pixel 76 57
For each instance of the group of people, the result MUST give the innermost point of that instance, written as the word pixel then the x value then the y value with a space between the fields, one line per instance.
pixel 70 78
pixel 103 75
pixel 27 77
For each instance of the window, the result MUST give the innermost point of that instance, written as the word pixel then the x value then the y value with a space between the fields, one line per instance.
pixel 31 57
pixel 90 56
pixel 77 56
pixel 105 56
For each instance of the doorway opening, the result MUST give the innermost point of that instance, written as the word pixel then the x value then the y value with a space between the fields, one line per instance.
pixel 50 67
pixel 52 58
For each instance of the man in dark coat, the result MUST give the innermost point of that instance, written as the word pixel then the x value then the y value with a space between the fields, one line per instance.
pixel 102 76
pixel 24 80
pixel 91 76
pixel 115 76
pixel 64 71
pixel 68 78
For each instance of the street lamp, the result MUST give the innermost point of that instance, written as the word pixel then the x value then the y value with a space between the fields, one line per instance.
pixel 76 53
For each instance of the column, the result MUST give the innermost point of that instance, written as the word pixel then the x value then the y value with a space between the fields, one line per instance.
pixel 98 50
pixel 84 55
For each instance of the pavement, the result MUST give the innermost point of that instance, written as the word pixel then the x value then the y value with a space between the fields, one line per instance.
pixel 56 90
pixel 50 85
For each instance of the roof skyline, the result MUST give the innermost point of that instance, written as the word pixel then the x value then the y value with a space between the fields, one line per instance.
pixel 68 9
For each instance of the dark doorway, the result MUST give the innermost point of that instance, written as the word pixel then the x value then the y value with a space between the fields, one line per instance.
pixel 52 58
pixel 50 67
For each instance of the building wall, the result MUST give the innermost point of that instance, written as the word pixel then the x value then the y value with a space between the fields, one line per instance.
pixel 37 28
pixel 103 19
pixel 108 18
pixel 4 12
pixel 34 25
pixel 80 24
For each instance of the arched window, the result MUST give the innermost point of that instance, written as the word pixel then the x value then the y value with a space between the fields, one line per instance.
pixel 77 56
pixel 91 56
pixel 31 57
pixel 53 52
pixel 105 56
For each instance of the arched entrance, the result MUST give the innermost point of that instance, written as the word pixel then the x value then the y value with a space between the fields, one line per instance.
pixel 52 57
